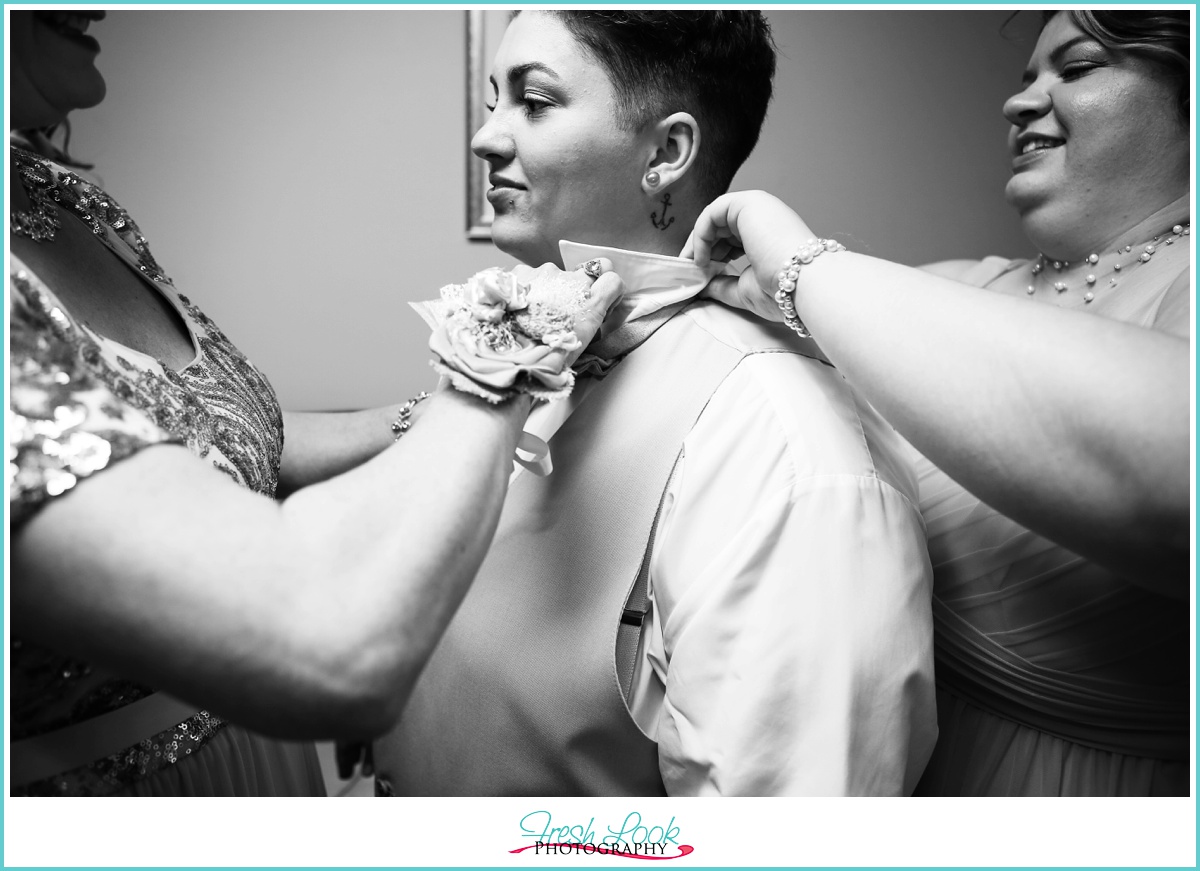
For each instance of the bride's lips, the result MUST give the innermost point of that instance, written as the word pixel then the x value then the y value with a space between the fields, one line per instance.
pixel 502 188
pixel 72 26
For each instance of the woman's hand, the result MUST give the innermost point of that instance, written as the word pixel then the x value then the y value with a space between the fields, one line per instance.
pixel 501 333
pixel 754 224
pixel 603 287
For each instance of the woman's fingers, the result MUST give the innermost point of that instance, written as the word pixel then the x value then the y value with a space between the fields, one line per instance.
pixel 716 223
pixel 723 288
pixel 726 250
pixel 688 252
pixel 743 292
pixel 607 291
pixel 594 267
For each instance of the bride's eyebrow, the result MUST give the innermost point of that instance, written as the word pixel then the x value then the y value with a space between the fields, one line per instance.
pixel 515 74
pixel 520 70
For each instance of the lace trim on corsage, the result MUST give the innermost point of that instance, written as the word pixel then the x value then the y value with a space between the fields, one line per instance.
pixel 495 336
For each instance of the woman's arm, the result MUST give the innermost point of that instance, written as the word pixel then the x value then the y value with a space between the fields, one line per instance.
pixel 319 445
pixel 1073 425
pixel 306 618
pixel 310 617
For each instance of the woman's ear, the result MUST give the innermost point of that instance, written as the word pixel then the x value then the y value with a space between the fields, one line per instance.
pixel 676 145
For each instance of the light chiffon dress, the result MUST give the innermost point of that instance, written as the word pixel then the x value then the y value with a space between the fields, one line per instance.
pixel 1055 676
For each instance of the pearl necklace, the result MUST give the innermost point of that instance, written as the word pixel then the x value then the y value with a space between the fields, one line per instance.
pixel 1142 256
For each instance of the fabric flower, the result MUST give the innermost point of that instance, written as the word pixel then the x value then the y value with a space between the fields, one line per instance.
pixel 565 341
pixel 477 364
pixel 495 335
pixel 496 287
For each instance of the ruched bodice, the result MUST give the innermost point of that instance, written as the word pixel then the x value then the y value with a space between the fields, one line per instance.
pixel 1055 676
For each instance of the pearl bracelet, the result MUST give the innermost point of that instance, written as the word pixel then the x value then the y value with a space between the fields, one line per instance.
pixel 791 272
pixel 403 421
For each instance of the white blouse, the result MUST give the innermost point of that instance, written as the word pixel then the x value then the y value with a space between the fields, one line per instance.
pixel 789 648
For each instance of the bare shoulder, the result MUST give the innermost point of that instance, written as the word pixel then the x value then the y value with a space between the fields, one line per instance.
pixel 955 270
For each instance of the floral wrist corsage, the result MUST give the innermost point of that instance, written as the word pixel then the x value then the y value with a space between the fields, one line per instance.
pixel 496 335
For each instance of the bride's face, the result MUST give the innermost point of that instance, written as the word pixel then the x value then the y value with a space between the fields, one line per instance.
pixel 559 166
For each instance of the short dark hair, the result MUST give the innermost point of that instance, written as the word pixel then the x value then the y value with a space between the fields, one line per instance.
pixel 716 65
pixel 1161 37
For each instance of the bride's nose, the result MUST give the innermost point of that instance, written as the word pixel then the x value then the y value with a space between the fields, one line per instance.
pixel 492 141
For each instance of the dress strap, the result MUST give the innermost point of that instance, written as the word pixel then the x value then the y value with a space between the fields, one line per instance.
pixel 42 756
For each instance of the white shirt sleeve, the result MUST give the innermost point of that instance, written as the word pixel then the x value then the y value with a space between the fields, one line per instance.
pixel 791 595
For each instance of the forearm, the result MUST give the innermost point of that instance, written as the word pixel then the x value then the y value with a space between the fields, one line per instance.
pixel 317 446
pixel 410 527
pixel 309 618
pixel 1073 425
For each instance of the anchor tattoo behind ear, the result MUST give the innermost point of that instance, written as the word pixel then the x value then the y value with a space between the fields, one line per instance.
pixel 662 223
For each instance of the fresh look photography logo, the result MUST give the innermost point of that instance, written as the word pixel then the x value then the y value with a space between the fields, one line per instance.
pixel 633 838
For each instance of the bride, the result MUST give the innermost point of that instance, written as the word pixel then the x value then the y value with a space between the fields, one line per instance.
pixel 1057 500
pixel 718 590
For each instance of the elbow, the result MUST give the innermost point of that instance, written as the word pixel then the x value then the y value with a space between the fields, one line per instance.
pixel 363 689
pixel 338 674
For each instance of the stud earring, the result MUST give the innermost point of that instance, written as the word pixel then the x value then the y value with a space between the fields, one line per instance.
pixel 652 179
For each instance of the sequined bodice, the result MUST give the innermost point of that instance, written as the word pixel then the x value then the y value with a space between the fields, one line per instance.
pixel 79 403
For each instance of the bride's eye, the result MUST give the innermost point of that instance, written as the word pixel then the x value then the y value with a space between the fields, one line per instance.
pixel 534 102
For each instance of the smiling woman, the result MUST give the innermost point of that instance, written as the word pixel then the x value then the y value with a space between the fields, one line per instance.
pixel 1051 400
pixel 787 652
pixel 1095 139
pixel 559 167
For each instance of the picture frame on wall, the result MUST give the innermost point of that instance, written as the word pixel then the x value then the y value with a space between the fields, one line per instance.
pixel 484 29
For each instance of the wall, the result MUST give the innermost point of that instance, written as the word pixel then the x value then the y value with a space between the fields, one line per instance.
pixel 300 173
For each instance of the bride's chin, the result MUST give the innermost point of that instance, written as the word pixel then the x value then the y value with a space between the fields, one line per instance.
pixel 523 249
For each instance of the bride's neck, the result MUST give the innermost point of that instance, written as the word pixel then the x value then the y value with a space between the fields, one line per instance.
pixel 655 238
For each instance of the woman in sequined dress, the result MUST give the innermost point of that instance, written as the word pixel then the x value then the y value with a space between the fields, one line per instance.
pixel 1055 405
pixel 143 451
